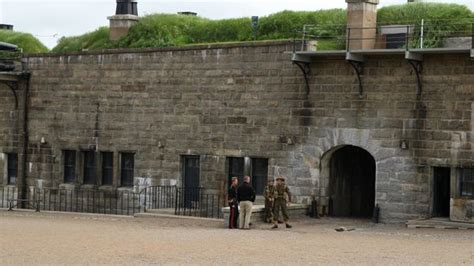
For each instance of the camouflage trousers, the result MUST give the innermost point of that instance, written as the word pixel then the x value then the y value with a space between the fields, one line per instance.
pixel 280 204
pixel 268 211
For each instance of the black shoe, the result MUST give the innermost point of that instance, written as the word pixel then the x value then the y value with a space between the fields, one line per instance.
pixel 289 226
pixel 274 226
pixel 280 222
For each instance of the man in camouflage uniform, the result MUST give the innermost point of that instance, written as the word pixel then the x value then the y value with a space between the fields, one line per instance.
pixel 281 200
pixel 269 200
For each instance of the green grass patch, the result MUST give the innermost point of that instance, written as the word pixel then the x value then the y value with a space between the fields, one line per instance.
pixel 25 41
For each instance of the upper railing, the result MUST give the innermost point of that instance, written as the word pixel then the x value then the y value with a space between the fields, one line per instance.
pixel 449 35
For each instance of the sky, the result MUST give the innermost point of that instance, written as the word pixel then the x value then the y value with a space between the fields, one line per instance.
pixel 49 20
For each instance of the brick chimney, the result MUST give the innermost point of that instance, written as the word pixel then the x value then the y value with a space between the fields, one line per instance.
pixel 126 15
pixel 361 23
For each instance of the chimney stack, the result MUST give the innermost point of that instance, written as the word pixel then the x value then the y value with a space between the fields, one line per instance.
pixel 126 15
pixel 361 23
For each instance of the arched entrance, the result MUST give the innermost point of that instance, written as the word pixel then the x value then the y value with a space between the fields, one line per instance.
pixel 351 182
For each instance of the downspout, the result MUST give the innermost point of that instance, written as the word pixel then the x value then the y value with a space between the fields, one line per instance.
pixel 25 75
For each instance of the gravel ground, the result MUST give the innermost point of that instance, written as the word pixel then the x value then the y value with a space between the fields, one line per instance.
pixel 47 238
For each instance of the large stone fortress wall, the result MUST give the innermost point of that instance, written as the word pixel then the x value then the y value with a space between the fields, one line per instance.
pixel 249 100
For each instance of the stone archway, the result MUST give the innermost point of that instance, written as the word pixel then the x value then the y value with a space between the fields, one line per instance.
pixel 351 184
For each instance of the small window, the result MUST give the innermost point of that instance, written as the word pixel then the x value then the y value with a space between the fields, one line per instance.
pixel 466 182
pixel 259 174
pixel 69 166
pixel 12 168
pixel 127 169
pixel 107 168
pixel 90 169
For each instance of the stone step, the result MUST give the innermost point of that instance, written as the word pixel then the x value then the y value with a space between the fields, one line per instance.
pixel 438 223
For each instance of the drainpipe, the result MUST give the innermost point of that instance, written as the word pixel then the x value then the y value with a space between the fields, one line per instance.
pixel 25 75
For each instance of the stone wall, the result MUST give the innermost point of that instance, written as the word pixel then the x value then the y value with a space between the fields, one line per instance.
pixel 242 100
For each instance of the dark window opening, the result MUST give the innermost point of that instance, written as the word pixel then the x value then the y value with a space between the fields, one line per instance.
pixel 12 171
pixel 127 169
pixel 395 41
pixel 466 182
pixel 90 168
pixel 259 174
pixel 107 168
pixel 69 166
pixel 257 168
pixel 236 168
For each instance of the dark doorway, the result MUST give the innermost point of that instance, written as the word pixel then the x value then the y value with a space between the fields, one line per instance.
pixel 352 183
pixel 191 180
pixel 441 191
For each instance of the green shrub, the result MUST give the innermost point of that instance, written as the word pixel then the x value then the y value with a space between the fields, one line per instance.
pixel 25 41
pixel 98 39
pixel 329 26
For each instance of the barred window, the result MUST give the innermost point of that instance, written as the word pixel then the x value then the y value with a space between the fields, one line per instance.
pixel 259 174
pixel 127 169
pixel 107 168
pixel 90 168
pixel 12 171
pixel 236 168
pixel 466 182
pixel 69 166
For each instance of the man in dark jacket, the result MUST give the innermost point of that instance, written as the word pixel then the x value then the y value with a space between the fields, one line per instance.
pixel 233 204
pixel 245 197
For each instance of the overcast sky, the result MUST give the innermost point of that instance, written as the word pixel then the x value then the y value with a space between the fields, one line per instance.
pixel 48 20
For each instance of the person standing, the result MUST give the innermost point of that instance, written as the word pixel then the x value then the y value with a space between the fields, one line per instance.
pixel 269 201
pixel 233 204
pixel 245 197
pixel 282 200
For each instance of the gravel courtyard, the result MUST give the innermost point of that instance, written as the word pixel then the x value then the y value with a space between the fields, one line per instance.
pixel 47 238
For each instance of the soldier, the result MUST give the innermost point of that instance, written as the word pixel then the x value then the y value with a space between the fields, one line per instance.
pixel 233 204
pixel 269 201
pixel 282 198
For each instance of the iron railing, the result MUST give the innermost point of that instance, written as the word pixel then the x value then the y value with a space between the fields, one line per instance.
pixel 181 201
pixel 72 200
pixel 187 201
pixel 419 35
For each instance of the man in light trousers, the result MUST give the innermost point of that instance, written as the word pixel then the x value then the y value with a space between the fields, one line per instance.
pixel 245 197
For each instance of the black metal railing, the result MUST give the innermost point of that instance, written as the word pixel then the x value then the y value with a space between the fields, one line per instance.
pixel 72 200
pixel 7 194
pixel 196 202
pixel 187 201
pixel 181 201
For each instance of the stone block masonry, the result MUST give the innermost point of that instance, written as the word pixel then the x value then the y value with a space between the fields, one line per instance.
pixel 248 100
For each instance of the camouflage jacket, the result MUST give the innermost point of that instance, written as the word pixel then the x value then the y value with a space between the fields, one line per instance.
pixel 282 192
pixel 269 192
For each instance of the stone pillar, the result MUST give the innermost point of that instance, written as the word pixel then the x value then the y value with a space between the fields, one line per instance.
pixel 361 23
pixel 126 15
